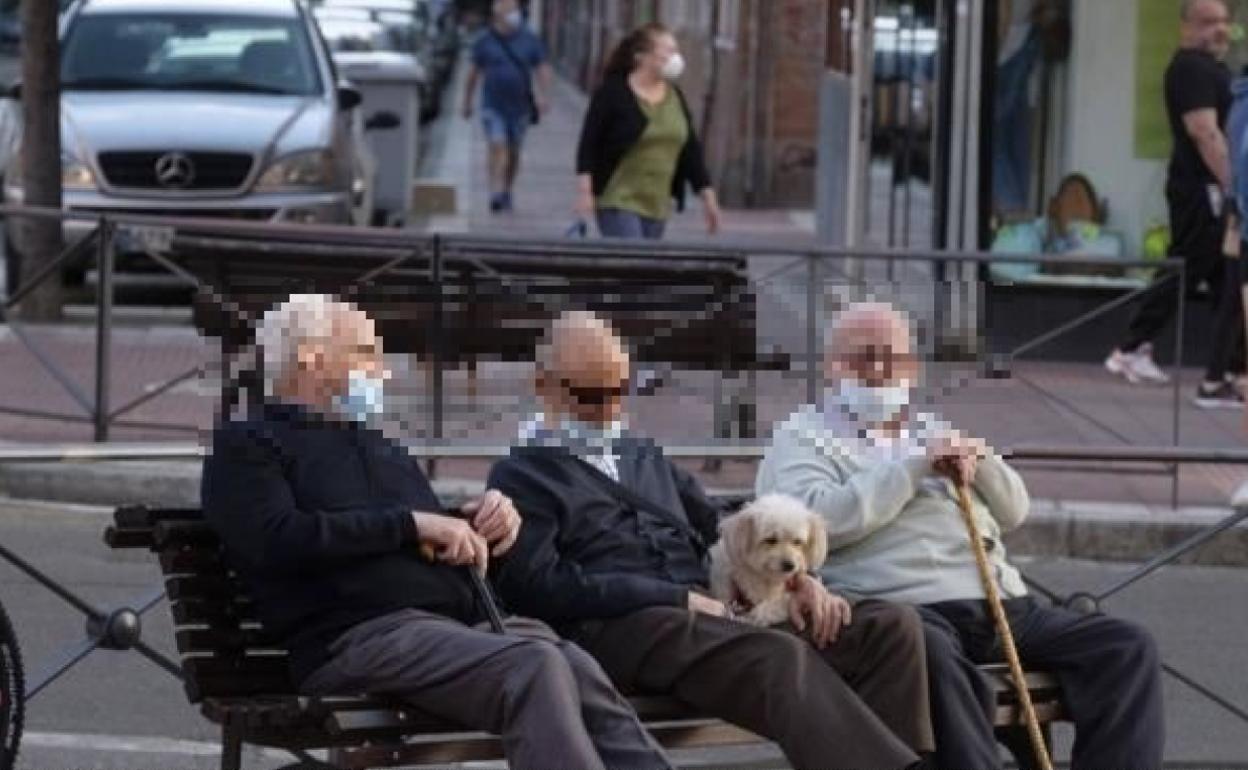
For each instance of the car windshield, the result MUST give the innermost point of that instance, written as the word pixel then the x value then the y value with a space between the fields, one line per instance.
pixel 189 52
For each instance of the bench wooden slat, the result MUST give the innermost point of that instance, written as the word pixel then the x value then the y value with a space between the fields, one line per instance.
pixel 218 641
pixel 187 612
pixel 125 537
pixel 212 587
pixel 140 516
pixel 182 560
pixel 194 533
pixel 214 677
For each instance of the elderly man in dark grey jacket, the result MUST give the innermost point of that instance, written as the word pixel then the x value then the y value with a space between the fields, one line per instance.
pixel 613 553
pixel 325 518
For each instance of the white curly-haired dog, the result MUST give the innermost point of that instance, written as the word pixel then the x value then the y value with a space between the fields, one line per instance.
pixel 761 551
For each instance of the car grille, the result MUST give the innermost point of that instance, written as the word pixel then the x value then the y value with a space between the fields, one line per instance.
pixel 207 170
pixel 250 215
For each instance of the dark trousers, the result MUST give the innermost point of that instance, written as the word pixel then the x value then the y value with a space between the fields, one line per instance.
pixel 1196 236
pixel 549 701
pixel 860 704
pixel 1108 669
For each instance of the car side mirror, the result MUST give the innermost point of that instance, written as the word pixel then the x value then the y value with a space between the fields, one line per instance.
pixel 349 98
pixel 382 121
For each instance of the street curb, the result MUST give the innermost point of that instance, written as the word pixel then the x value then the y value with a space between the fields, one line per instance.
pixel 1084 530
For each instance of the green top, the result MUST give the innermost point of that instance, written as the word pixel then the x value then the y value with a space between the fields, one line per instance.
pixel 642 183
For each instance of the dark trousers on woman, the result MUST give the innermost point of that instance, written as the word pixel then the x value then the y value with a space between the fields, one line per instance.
pixel 860 704
pixel 549 701
pixel 1108 670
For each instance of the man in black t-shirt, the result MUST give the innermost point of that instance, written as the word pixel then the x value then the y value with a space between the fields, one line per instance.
pixel 1198 98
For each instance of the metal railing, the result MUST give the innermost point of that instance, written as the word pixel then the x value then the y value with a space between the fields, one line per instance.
pixel 386 254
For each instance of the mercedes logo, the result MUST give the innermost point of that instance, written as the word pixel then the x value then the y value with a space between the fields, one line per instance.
pixel 175 170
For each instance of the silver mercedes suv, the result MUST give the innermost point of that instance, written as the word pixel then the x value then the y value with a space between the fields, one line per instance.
pixel 222 108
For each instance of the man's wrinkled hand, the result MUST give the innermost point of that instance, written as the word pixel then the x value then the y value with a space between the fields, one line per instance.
pixel 495 518
pixel 451 540
pixel 827 612
pixel 956 456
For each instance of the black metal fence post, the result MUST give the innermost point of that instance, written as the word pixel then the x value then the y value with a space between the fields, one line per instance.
pixel 813 293
pixel 436 349
pixel 103 328
pixel 1176 408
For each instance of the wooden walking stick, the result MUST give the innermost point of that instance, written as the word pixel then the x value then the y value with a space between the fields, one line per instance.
pixel 1003 628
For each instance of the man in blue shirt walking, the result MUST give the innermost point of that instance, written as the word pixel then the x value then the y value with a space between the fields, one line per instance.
pixel 507 56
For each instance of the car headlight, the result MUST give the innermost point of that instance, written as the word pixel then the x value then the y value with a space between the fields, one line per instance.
pixel 76 175
pixel 301 170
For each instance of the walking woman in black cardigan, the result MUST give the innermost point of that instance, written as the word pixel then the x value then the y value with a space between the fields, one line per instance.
pixel 638 149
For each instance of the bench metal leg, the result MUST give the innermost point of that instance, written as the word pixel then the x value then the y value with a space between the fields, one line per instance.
pixel 231 747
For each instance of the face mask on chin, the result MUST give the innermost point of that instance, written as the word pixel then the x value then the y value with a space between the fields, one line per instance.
pixel 866 404
pixel 365 397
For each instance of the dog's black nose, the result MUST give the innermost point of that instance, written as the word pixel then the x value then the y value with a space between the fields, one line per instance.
pixel 787 565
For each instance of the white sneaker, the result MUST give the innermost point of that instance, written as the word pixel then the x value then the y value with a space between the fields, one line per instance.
pixel 1137 367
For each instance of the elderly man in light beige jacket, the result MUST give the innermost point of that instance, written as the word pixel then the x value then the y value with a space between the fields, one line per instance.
pixel 883 476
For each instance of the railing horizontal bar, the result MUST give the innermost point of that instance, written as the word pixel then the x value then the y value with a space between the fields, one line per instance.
pixel 346 235
pixel 193 451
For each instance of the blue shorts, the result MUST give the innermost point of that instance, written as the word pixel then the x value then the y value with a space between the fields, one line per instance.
pixel 503 129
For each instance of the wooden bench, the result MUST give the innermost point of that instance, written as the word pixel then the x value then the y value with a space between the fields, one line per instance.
pixel 238 676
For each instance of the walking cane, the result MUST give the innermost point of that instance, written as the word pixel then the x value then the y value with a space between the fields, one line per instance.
pixel 1003 629
pixel 479 587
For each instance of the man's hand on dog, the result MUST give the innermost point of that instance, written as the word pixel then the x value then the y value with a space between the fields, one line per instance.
pixel 451 540
pixel 707 605
pixel 828 612
pixel 494 518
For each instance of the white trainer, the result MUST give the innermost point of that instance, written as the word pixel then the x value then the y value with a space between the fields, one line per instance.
pixel 1136 367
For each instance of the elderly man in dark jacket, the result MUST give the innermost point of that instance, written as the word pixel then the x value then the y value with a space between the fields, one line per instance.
pixel 325 519
pixel 613 552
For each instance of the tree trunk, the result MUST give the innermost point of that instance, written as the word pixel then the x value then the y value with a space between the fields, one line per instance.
pixel 40 240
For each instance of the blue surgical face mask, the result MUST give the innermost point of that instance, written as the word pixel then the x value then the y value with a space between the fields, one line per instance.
pixel 365 397
pixel 513 19
pixel 865 403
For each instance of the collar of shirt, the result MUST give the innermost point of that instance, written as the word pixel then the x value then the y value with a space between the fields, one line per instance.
pixel 537 431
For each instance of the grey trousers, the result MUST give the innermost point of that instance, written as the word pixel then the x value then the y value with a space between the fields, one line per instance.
pixel 860 704
pixel 549 701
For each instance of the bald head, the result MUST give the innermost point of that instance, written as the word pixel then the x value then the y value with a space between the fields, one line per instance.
pixel 582 368
pixel 871 342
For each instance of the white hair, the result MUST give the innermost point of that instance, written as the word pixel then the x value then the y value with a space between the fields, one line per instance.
pixel 301 319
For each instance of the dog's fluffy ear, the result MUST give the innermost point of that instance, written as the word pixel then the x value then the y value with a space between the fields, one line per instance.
pixel 816 548
pixel 738 534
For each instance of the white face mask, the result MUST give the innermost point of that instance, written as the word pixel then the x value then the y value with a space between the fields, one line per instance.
pixel 365 397
pixel 513 19
pixel 866 404
pixel 674 67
